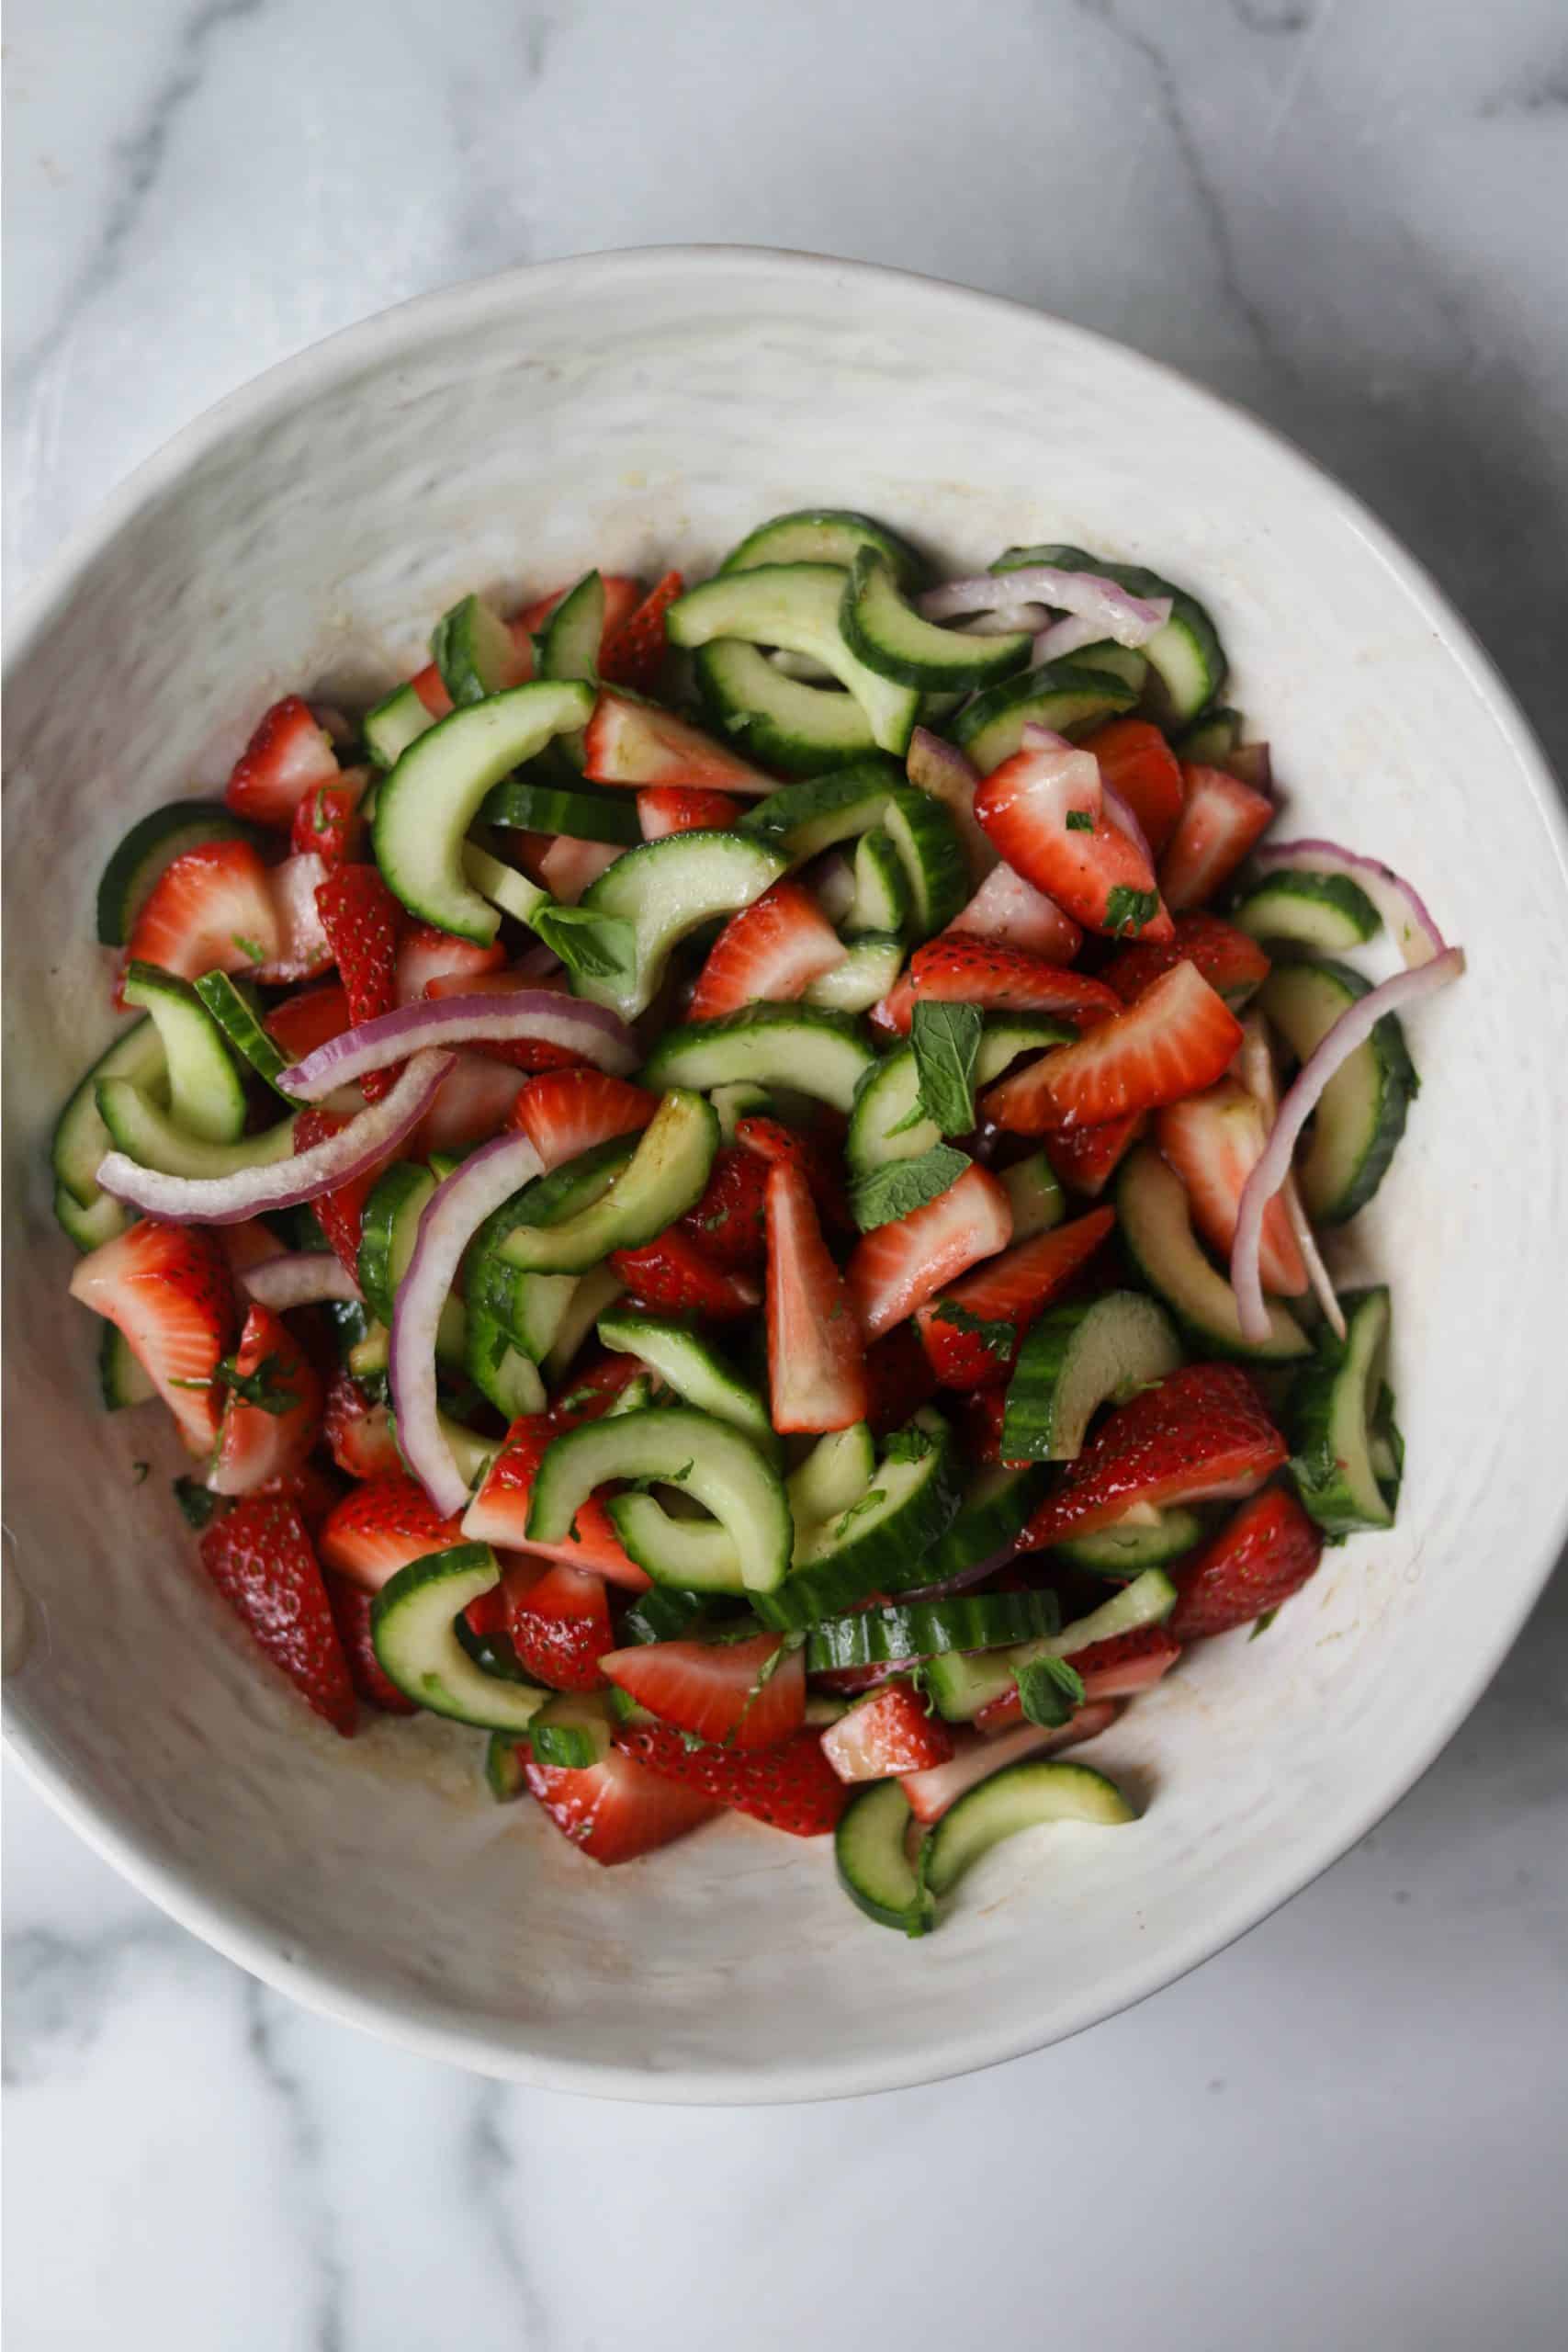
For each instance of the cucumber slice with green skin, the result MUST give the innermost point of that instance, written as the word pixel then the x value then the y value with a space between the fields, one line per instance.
pixel 778 721
pixel 531 1306
pixel 962 1685
pixel 80 1141
pixel 1125 1551
pixel 936 865
pixel 593 1295
pixel 636 1395
pixel 708 1460
pixel 145 1132
pixel 1121 661
pixel 743 1101
pixel 1062 696
pixel 431 796
pixel 571 1731
pixel 695 1555
pixel 1034 1192
pixel 665 1176
pixel 697 1371
pixel 664 1614
pixel 1020 1796
pixel 1076 1359
pixel 505 1776
pixel 569 645
pixel 871 1852
pixel 996 1509
pixel 1187 663
pixel 389 1231
pixel 1326 913
pixel 802 820
pixel 473 648
pixel 472 1453
pixel 1347 1453
pixel 1212 740
pixel 825 535
pixel 880 1543
pixel 796 606
pixel 881 900
pixel 234 1011
pixel 839 1469
pixel 396 722
pixel 1361 1113
pixel 121 1381
pixel 582 812
pixel 924 1629
pixel 819 1053
pixel 88 1229
pixel 1157 1228
pixel 207 1098
pixel 412 1627
pixel 666 890
pixel 500 1372
pixel 153 843
pixel 502 885
pixel 890 1092
pixel 864 979
pixel 881 629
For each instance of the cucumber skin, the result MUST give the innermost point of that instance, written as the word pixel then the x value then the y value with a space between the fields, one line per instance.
pixel 960 663
pixel 1187 615
pixel 923 1628
pixel 1399 1083
pixel 992 727
pixel 1037 1791
pixel 152 844
pixel 1031 1429
pixel 794 1022
pixel 760 732
pixel 878 1817
pixel 887 1559
pixel 843 532
pixel 792 819
pixel 984 1522
pixel 80 1139
pixel 1326 1493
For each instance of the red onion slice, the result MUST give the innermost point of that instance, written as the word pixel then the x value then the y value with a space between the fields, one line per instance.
pixel 544 1015
pixel 1354 1026
pixel 1121 815
pixel 1404 909
pixel 452 1214
pixel 1116 614
pixel 1256 1063
pixel 1065 637
pixel 298 1278
pixel 282 1183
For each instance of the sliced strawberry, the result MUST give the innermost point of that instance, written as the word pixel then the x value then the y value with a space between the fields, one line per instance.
pixel 380 1527
pixel 815 1351
pixel 772 950
pixel 560 1624
pixel 791 1787
pixel 728 1225
pixel 566 1112
pixel 1257 1559
pixel 1086 1158
pixel 634 652
pixel 1199 1433
pixel 663 809
pixel 899 1378
pixel 1117 1668
pixel 622 597
pixel 327 820
pixel 637 743
pixel 425 954
pixel 1135 761
pixel 260 1557
pixel 473 1102
pixel 272 1416
pixel 1234 965
pixel 499 1512
pixel 674 1274
pixel 341 1213
pixel 959 968
pixel 1213 1141
pixel 362 920
pixel 592 1391
pixel 975 1759
pixel 566 866
pixel 997 1304
pixel 168 1289
pixel 287 757
pixel 248 1244
pixel 982 1416
pixel 749 1694
pixel 312 1487
pixel 303 951
pixel 896 1267
pixel 1008 909
pixel 1045 813
pixel 1176 1038
pixel 429 687
pixel 526 625
pixel 527 1054
pixel 1220 822
pixel 784 1147
pixel 358 1434
pixel 892 1732
pixel 351 1606
pixel 210 909
pixel 618 1809
pixel 298 1025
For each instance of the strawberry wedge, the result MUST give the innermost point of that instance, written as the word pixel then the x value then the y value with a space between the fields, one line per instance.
pixel 1137 763
pixel 1086 1158
pixel 1046 812
pixel 634 743
pixel 272 1417
pixel 662 809
pixel 791 1787
pixel 565 1113
pixel 1198 1435
pixel 1221 820
pixel 896 1267
pixel 678 1276
pixel 211 910
pixel 894 1732
pixel 260 1557
pixel 633 653
pixel 380 1527
pixel 499 1512
pixel 1234 966
pixel 749 1694
pixel 960 968
pixel 816 1351
pixel 614 1811
pixel 289 755
pixel 771 951
pixel 1008 909
pixel 972 1334
pixel 1213 1141
pixel 168 1289
pixel 1178 1037
pixel 559 1621
pixel 1258 1559
pixel 975 1759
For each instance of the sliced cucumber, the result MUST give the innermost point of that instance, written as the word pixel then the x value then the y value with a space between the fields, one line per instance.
pixel 666 890
pixel 802 820
pixel 145 1131
pixel 696 1371
pixel 1020 1796
pixel 1062 696
pixel 742 1100
pixel 1187 663
pixel 1347 1453
pixel 504 1775
pixel 824 535
pixel 206 1096
pixel 776 720
pixel 1126 1549
pixel 121 1380
pixel 502 885
pixel 870 1851
pixel 474 650
pixel 881 900
pixel 819 1053
pixel 1117 661
pixel 1212 740
pixel 1361 1113
pixel 1156 1228
pixel 593 1294
pixel 925 1629
pixel 434 794
pixel 935 864
pixel 889 1094
pixel 80 1141
pixel 571 1731
pixel 396 722
pixel 582 812
pixel 389 1231
pixel 796 606
pixel 152 844
pixel 235 1010
pixel 1326 913
pixel 574 632
pixel 1076 1359
pixel 881 629
pixel 531 1306
pixel 664 1614
pixel 833 1475
pixel 666 1176
pixel 88 1229
pixel 503 1375
pixel 996 1509
pixel 412 1627
pixel 962 1685
pixel 706 1459
pixel 1034 1192
pixel 864 979
pixel 881 1543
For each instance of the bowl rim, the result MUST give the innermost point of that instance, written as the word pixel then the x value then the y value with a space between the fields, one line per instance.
pixel 429 2028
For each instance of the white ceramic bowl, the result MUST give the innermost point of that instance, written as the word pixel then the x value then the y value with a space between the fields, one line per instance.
pixel 636 410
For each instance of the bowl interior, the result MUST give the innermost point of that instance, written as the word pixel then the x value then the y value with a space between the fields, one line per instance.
pixel 639 410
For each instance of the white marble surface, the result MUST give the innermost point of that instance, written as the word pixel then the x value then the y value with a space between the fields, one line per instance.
pixel 1351 2127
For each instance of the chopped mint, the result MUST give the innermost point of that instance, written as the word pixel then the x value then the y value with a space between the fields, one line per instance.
pixel 252 949
pixel 997 1338
pixel 197 1502
pixel 263 1386
pixel 946 1039
pixel 1127 910
pixel 911 1444
pixel 1079 821
pixel 1050 1691
pixel 857 1510
pixel 1263 1624
pixel 592 947
pixel 140 1472
pixel 905 1185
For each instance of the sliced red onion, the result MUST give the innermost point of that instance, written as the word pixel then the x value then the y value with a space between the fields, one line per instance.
pixel 1121 815
pixel 940 768
pixel 283 1183
pixel 1404 909
pixel 1007 620
pixel 1115 612
pixel 1354 1026
pixel 501 1017
pixel 1065 637
pixel 1255 1062
pixel 452 1214
pixel 298 1278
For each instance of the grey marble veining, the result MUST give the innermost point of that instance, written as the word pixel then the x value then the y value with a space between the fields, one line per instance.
pixel 1347 213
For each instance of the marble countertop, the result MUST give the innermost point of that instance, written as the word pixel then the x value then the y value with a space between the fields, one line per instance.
pixel 1348 2129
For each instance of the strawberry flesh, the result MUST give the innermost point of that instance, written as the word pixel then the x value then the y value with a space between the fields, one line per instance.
pixel 380 1527
pixel 815 1351
pixel 769 951
pixel 745 1694
pixel 1213 1141
pixel 1258 1559
pixel 499 1512
pixel 260 1557
pixel 566 1112
pixel 211 910
pixel 1199 1433
pixel 1006 1295
pixel 892 1732
pixel 289 755
pixel 1176 1039
pixel 1222 819
pixel 169 1290
pixel 1234 965
pixel 675 1275
pixel 634 653
pixel 896 1267
pixel 958 968
pixel 560 1624
pixel 1136 761
pixel 1045 813
pixel 270 1437
pixel 663 809
pixel 616 1810
pixel 791 1787
pixel 729 1223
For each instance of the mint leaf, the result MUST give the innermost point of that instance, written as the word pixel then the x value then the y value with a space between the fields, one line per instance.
pixel 140 1472
pixel 1262 1624
pixel 946 1038
pixel 197 1502
pixel 1079 821
pixel 998 1338
pixel 592 947
pixel 857 1510
pixel 252 949
pixel 905 1185
pixel 912 1445
pixel 1050 1691
pixel 1127 910
pixel 265 1387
